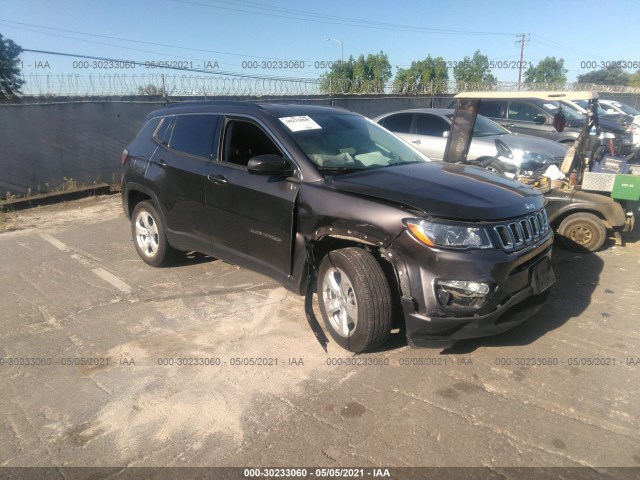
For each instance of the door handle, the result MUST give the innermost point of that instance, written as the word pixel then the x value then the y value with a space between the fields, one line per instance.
pixel 510 125
pixel 160 162
pixel 217 178
pixel 417 142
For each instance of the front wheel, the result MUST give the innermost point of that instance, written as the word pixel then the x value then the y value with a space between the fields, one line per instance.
pixel 497 167
pixel 149 235
pixel 582 231
pixel 355 299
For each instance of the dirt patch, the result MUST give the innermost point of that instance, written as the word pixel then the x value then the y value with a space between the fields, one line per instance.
pixel 87 210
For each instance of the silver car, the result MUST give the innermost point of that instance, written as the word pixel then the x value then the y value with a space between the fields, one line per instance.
pixel 427 130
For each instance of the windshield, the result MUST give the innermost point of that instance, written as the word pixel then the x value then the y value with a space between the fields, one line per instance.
pixel 569 111
pixel 585 104
pixel 343 143
pixel 625 108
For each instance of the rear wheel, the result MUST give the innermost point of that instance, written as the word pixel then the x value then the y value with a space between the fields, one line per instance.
pixel 355 299
pixel 149 235
pixel 582 231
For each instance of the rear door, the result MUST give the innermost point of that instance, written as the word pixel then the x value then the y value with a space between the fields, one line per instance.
pixel 251 216
pixel 431 132
pixel 177 169
pixel 400 124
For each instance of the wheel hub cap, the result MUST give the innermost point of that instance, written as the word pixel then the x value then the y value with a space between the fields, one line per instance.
pixel 147 234
pixel 339 299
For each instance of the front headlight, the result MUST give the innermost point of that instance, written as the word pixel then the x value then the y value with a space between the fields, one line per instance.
pixel 525 156
pixel 448 235
pixel 539 158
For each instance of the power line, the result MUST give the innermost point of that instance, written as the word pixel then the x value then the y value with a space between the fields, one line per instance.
pixel 130 40
pixel 334 20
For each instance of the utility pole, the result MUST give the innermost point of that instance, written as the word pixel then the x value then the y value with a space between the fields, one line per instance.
pixel 522 41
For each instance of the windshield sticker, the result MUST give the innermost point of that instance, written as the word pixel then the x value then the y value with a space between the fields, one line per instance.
pixel 550 106
pixel 296 124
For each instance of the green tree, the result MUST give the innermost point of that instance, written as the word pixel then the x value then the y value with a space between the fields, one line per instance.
pixel 634 80
pixel 424 76
pixel 607 76
pixel 150 89
pixel 10 81
pixel 548 70
pixel 363 75
pixel 473 71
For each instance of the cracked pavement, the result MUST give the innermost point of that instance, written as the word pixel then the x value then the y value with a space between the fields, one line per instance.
pixel 108 333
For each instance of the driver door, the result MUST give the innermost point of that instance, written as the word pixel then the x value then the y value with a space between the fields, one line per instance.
pixel 251 216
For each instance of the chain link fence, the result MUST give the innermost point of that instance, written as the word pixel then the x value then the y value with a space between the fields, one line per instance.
pixel 53 86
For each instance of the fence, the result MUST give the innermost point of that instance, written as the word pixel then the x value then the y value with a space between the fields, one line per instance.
pixel 53 85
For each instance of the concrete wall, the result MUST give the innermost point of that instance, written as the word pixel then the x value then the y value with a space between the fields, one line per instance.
pixel 42 144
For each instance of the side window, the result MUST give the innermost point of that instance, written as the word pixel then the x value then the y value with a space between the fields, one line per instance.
pixel 193 134
pixel 431 125
pixel 398 123
pixel 490 108
pixel 243 140
pixel 522 111
pixel 163 132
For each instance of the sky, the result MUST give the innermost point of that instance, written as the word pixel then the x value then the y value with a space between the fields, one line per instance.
pixel 255 37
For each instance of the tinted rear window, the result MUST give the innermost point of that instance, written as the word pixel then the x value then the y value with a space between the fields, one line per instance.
pixel 399 123
pixel 193 134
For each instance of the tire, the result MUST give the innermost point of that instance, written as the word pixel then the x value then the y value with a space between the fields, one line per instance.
pixel 149 235
pixel 582 231
pixel 496 166
pixel 354 299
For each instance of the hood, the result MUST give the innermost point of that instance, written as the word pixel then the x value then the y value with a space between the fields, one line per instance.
pixel 534 144
pixel 607 123
pixel 454 191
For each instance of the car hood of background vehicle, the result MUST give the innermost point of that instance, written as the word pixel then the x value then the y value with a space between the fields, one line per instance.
pixel 444 190
pixel 606 122
pixel 534 144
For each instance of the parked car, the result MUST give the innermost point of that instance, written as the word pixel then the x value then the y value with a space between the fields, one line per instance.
pixel 428 128
pixel 606 115
pixel 534 116
pixel 315 195
pixel 613 106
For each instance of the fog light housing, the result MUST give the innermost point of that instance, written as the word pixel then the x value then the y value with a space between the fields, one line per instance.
pixel 461 293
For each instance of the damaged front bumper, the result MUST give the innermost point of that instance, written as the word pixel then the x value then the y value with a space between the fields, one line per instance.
pixel 518 288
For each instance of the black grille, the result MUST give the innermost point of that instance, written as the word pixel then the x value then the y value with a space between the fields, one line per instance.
pixel 523 232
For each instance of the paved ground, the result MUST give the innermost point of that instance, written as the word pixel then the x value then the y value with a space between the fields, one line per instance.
pixel 75 295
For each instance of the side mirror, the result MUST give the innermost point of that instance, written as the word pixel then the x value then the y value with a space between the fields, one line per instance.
pixel 539 119
pixel 559 121
pixel 270 164
pixel 503 149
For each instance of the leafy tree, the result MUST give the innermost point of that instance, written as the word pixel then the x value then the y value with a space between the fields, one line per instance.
pixel 634 80
pixel 150 89
pixel 607 76
pixel 548 70
pixel 10 80
pixel 363 75
pixel 474 70
pixel 424 76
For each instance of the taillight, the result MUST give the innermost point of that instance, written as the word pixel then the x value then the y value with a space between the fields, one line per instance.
pixel 125 155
